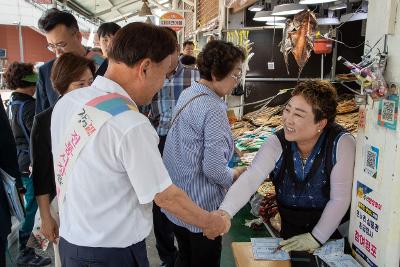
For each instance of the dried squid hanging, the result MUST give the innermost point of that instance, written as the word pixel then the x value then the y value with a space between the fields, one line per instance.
pixel 298 38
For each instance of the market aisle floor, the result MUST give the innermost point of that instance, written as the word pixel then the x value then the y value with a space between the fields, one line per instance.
pixel 237 233
pixel 151 252
pixel 226 261
pixel 226 258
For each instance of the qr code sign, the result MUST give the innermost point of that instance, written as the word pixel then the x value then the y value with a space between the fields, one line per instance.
pixel 388 109
pixel 371 160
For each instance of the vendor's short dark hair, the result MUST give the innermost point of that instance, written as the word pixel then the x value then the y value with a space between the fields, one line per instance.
pixel 53 17
pixel 188 60
pixel 322 96
pixel 15 73
pixel 187 43
pixel 67 69
pixel 137 41
pixel 108 29
pixel 218 59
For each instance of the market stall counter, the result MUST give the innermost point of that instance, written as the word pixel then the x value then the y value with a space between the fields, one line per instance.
pixel 236 244
pixel 239 233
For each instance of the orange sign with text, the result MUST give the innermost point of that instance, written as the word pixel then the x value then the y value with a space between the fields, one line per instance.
pixel 172 20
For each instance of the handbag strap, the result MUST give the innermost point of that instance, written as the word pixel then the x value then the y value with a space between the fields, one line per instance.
pixel 184 106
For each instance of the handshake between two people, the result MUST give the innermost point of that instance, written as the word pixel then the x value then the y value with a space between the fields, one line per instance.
pixel 219 220
pixel 219 223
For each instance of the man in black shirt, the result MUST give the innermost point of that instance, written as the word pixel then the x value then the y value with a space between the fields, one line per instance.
pixel 9 163
pixel 106 33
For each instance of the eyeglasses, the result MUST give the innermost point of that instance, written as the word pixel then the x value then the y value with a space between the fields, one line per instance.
pixel 53 47
pixel 237 77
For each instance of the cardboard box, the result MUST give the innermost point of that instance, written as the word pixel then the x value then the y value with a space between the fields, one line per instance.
pixel 244 257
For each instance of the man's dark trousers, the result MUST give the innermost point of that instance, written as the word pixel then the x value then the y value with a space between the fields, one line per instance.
pixel 78 256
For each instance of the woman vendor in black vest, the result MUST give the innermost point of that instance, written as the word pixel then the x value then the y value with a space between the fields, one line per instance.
pixel 311 163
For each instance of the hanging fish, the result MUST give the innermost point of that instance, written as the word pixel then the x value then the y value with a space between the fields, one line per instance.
pixel 286 43
pixel 302 39
pixel 298 38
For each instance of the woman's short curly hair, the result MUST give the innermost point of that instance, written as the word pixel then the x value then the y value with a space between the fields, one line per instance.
pixel 218 59
pixel 15 73
pixel 322 96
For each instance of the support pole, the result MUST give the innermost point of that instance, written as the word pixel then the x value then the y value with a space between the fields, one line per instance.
pixel 21 45
pixel 322 66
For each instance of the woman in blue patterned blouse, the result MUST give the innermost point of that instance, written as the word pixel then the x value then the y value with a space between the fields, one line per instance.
pixel 199 146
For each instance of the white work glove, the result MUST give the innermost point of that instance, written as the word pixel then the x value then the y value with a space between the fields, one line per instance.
pixel 303 242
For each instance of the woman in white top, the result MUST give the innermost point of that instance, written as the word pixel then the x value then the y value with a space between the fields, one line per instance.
pixel 311 163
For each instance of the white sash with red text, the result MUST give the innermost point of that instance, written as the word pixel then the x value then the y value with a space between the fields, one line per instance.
pixel 84 126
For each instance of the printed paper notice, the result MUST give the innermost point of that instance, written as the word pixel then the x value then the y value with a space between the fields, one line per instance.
pixel 334 247
pixel 332 253
pixel 340 261
pixel 266 249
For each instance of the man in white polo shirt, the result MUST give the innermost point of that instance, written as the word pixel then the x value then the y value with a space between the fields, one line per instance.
pixel 108 174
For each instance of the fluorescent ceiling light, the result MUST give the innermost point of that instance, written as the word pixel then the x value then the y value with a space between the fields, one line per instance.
pixel 287 9
pixel 337 6
pixel 278 24
pixel 328 21
pixel 353 17
pixel 267 16
pixel 256 7
pixel 312 2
